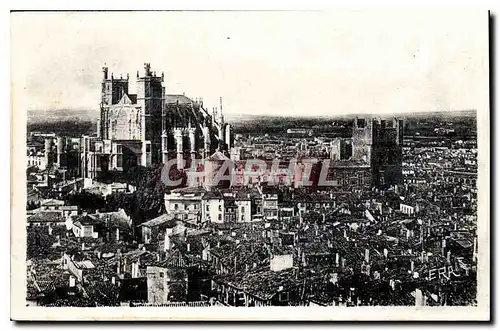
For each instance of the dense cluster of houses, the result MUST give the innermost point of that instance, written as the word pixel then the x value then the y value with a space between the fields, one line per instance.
pixel 413 243
pixel 260 247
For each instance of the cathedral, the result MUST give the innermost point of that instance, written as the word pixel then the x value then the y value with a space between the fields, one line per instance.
pixel 150 127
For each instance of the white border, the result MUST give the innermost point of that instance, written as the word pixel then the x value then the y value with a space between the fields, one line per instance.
pixel 20 312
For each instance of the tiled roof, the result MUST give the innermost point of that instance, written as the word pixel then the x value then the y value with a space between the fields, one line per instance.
pixel 190 190
pixel 52 202
pixel 131 256
pixel 172 304
pixel 168 220
pixel 86 264
pixel 85 220
pixel 213 194
pixel 118 219
pixel 263 284
pixel 218 156
pixel 46 216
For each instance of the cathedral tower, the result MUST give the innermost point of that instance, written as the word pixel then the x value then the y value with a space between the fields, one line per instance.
pixel 151 99
pixel 112 90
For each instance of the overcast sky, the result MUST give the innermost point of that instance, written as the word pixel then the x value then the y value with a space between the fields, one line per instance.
pixel 288 63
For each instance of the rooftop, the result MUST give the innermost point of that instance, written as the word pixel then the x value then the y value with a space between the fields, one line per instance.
pixel 46 217
pixel 167 220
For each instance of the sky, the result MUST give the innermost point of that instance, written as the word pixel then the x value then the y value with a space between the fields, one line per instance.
pixel 263 63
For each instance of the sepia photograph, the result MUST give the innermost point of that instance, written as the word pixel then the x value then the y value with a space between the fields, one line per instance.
pixel 250 165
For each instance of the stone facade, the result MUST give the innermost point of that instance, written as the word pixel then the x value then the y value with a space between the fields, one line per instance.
pixel 150 127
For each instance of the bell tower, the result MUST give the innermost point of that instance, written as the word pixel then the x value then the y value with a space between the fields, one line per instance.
pixel 112 90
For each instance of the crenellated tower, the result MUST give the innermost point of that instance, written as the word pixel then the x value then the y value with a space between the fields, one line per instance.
pixel 151 100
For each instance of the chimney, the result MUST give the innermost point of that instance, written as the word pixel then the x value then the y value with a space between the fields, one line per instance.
pixel 72 281
pixel 448 256
pixel 166 243
pixel 367 255
pixel 113 280
pixel 386 252
pixel 117 234
pixel 412 266
pixel 337 259
pixel 83 246
pixel 188 247
pixel 118 261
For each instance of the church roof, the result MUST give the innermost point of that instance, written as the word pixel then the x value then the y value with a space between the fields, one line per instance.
pixel 174 98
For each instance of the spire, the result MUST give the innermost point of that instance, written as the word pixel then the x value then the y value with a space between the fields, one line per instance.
pixel 105 71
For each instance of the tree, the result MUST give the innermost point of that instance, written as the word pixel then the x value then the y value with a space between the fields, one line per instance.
pixel 87 201
pixel 39 242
